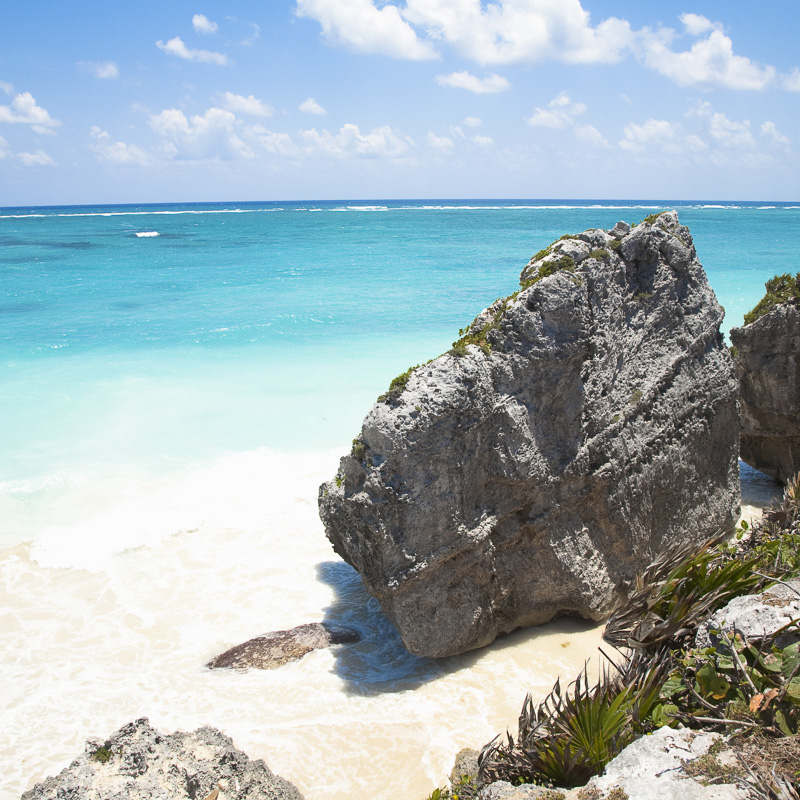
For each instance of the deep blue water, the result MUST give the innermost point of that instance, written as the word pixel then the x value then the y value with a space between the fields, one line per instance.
pixel 245 325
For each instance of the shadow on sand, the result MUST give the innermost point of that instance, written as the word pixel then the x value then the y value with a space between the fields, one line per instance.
pixel 379 663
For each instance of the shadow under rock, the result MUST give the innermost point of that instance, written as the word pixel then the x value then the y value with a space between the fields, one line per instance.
pixel 379 663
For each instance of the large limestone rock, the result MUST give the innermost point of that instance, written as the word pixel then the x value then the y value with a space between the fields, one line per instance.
pixel 583 424
pixel 139 763
pixel 768 368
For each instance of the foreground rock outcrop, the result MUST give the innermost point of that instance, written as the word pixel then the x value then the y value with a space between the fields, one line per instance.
pixel 139 763
pixel 768 368
pixel 277 648
pixel 580 426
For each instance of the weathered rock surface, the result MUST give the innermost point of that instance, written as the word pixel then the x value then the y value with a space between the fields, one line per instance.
pixel 592 423
pixel 768 369
pixel 280 647
pixel 755 616
pixel 139 763
pixel 663 765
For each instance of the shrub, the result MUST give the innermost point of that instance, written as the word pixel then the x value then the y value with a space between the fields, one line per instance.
pixel 781 289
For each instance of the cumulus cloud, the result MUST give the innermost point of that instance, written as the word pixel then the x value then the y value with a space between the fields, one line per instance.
pixel 590 134
pixel 176 47
pixel 202 24
pixel 560 113
pixel 483 141
pixel 6 87
pixel 361 26
pixel 24 111
pixel 464 80
pixel 473 122
pixel 211 136
pixel 697 24
pixel 114 153
pixel 710 62
pixel 653 132
pixel 100 69
pixel 380 142
pixel 769 130
pixel 792 80
pixel 510 31
pixel 5 150
pixel 724 131
pixel 440 142
pixel 37 159
pixel 311 106
pixel 280 144
pixel 246 105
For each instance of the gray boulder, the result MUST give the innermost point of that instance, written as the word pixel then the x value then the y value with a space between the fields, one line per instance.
pixel 768 369
pixel 280 647
pixel 756 617
pixel 139 763
pixel 581 426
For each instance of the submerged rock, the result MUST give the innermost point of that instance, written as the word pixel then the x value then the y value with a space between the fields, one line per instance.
pixel 580 426
pixel 280 647
pixel 139 763
pixel 768 368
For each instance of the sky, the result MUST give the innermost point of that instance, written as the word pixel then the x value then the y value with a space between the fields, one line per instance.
pixel 176 101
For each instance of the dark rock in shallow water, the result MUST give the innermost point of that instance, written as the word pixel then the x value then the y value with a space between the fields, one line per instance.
pixel 139 763
pixel 583 425
pixel 768 368
pixel 280 647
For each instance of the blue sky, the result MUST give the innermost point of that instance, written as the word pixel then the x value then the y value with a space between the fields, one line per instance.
pixel 357 99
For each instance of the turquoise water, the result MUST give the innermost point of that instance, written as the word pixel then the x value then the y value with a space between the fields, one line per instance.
pixel 176 382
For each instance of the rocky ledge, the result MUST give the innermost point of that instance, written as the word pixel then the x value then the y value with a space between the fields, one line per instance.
pixel 580 426
pixel 139 763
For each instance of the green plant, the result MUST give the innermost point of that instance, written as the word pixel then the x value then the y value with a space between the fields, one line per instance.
pixel 636 396
pixel 397 386
pixel 542 253
pixel 359 449
pixel 599 254
pixel 571 735
pixel 651 218
pixel 678 590
pixel 548 268
pixel 615 244
pixel 102 755
pixel 339 481
pixel 781 289
pixel 644 296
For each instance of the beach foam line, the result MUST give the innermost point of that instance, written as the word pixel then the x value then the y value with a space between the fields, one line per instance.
pixel 147 234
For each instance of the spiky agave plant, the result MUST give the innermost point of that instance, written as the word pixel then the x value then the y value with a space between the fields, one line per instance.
pixel 571 735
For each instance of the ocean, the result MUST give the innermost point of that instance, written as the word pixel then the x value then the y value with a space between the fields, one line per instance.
pixel 176 382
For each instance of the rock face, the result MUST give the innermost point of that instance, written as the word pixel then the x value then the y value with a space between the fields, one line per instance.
pixel 579 427
pixel 139 763
pixel 280 647
pixel 768 368
pixel 755 616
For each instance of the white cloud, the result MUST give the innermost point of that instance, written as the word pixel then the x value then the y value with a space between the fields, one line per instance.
pixel 791 82
pixel 521 31
pixel 709 62
pixel 37 159
pixel 560 113
pixel 440 142
pixel 653 133
pixel 590 134
pixel 473 122
pixel 100 69
pixel 697 24
pixel 311 106
pixel 246 105
pixel 360 26
pixel 769 130
pixel 176 47
pixel 380 142
pixel 202 24
pixel 276 143
pixel 5 151
pixel 483 141
pixel 23 110
pixel 114 153
pixel 6 87
pixel 464 80
pixel 722 130
pixel 211 136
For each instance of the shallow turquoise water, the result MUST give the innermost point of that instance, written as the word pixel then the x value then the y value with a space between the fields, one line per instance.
pixel 153 338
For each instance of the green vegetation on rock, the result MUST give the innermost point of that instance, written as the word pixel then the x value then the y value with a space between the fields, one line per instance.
pixel 781 289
